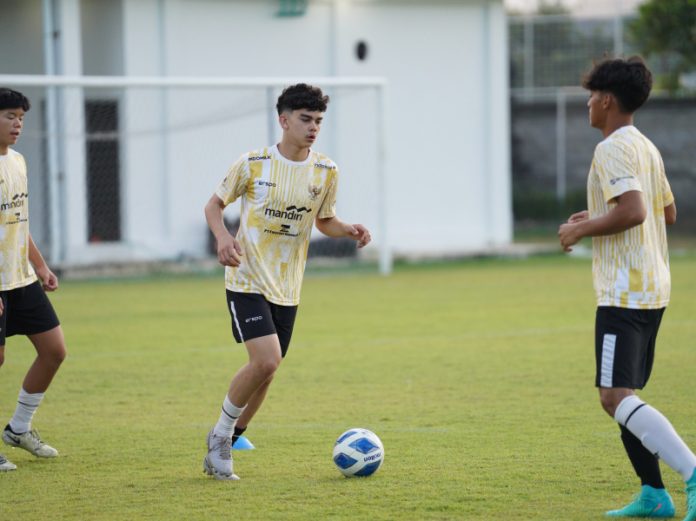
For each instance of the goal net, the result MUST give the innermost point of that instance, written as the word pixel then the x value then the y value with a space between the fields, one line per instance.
pixel 121 168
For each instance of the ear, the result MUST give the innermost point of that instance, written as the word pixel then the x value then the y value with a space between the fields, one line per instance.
pixel 283 120
pixel 607 100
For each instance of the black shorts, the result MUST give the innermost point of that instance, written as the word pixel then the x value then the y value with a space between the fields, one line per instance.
pixel 27 311
pixel 625 345
pixel 253 316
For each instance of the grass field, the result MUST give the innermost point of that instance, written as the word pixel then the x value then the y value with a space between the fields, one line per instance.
pixel 478 377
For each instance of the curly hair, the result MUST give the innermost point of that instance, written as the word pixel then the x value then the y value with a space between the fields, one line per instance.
pixel 629 80
pixel 302 96
pixel 11 99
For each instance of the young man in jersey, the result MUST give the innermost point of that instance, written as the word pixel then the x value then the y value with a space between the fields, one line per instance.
pixel 629 204
pixel 24 278
pixel 284 189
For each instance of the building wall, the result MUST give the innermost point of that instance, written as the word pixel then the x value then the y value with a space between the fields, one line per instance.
pixel 447 167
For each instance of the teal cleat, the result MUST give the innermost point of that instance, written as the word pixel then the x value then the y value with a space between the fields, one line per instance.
pixel 691 498
pixel 651 502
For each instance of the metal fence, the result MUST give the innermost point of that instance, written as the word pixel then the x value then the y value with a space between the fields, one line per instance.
pixel 552 142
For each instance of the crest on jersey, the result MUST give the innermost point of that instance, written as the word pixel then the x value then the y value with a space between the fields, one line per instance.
pixel 314 192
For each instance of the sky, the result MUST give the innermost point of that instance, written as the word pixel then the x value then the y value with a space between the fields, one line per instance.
pixel 580 7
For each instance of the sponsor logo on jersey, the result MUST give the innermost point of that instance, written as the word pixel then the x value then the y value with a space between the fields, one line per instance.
pixel 324 166
pixel 617 179
pixel 266 183
pixel 259 158
pixel 17 202
pixel 291 213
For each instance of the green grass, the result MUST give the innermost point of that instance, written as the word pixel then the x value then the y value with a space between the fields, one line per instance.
pixel 478 377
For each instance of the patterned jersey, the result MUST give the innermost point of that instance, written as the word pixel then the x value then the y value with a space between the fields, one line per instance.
pixel 15 269
pixel 279 201
pixel 630 269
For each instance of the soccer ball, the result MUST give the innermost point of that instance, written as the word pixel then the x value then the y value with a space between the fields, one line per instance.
pixel 358 452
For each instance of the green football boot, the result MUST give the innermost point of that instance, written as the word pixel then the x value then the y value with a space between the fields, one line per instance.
pixel 651 502
pixel 691 498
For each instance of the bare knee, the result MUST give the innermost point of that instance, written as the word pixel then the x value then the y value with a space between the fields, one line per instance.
pixel 266 367
pixel 610 398
pixel 2 356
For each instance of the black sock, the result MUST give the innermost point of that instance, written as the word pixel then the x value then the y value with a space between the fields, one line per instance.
pixel 238 431
pixel 644 462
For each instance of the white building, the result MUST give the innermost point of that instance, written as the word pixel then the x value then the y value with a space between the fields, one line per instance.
pixel 135 189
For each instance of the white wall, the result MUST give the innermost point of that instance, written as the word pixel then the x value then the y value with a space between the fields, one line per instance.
pixel 448 133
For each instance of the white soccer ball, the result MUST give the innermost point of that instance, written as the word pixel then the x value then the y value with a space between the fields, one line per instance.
pixel 358 452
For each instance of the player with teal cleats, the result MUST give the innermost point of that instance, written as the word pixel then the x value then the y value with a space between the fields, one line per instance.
pixel 651 502
pixel 630 204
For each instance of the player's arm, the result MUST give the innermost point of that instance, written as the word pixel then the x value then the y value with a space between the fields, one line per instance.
pixel 671 214
pixel 334 227
pixel 229 251
pixel 48 278
pixel 628 212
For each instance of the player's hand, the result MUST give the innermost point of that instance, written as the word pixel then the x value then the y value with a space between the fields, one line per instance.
pixel 229 251
pixel 579 217
pixel 360 234
pixel 2 307
pixel 569 235
pixel 49 281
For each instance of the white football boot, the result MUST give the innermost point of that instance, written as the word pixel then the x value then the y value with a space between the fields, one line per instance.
pixel 218 462
pixel 6 464
pixel 29 441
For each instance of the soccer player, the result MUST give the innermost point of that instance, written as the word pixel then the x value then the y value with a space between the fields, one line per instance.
pixel 24 278
pixel 629 204
pixel 283 190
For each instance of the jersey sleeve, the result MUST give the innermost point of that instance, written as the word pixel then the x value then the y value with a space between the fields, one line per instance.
pixel 616 169
pixel 328 205
pixel 667 195
pixel 235 182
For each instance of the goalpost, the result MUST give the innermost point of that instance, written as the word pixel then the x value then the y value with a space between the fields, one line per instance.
pixel 129 162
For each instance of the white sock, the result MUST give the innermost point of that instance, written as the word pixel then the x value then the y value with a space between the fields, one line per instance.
pixel 656 434
pixel 228 418
pixel 26 407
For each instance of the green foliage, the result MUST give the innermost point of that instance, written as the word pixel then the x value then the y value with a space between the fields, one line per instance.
pixel 542 207
pixel 667 29
pixel 477 376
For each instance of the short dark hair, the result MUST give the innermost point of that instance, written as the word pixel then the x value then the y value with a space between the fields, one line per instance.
pixel 11 99
pixel 302 96
pixel 629 80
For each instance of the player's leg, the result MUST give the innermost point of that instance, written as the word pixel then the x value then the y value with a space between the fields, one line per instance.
pixel 284 322
pixel 653 500
pixel 30 313
pixel 646 423
pixel 50 351
pixel 5 464
pixel 252 324
pixel 264 359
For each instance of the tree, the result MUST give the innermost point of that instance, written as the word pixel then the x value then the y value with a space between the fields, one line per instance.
pixel 667 29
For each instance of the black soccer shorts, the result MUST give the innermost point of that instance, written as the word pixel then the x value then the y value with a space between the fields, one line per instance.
pixel 253 316
pixel 27 311
pixel 625 345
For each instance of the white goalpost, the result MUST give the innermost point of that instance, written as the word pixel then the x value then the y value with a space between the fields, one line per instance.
pixel 119 166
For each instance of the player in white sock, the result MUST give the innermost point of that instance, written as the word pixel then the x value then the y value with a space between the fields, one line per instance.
pixel 284 190
pixel 629 204
pixel 24 279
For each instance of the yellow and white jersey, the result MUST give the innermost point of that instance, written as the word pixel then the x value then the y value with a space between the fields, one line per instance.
pixel 279 201
pixel 15 269
pixel 630 269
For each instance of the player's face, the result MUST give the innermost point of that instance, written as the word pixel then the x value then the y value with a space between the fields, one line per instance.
pixel 302 126
pixel 11 121
pixel 597 105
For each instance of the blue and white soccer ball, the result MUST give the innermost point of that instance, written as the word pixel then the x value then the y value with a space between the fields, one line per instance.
pixel 358 452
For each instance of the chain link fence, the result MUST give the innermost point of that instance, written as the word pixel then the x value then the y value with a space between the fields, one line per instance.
pixel 552 142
